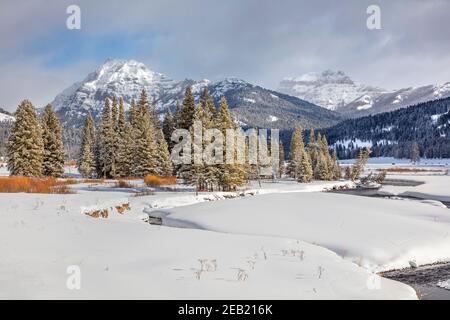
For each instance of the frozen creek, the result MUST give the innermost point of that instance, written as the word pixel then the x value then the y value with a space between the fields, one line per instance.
pixel 424 279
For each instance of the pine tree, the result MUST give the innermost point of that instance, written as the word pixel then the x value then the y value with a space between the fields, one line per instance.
pixel 53 163
pixel 312 148
pixel 145 161
pixel 114 113
pixel 163 156
pixel 177 115
pixel 121 121
pixel 134 113
pixel 337 172
pixel 187 113
pixel 415 153
pixel 297 153
pixel 168 127
pixel 86 160
pixel 324 149
pixel 121 144
pixel 358 167
pixel 230 176
pixel 127 152
pixel 106 144
pixel 207 115
pixel 306 173
pixel 208 103
pixel 25 147
pixel 321 170
pixel 154 115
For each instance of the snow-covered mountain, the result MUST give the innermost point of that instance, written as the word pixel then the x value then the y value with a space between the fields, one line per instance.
pixel 121 78
pixel 329 89
pixel 251 105
pixel 337 91
pixel 390 101
pixel 5 116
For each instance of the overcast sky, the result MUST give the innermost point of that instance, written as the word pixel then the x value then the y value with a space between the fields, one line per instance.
pixel 261 41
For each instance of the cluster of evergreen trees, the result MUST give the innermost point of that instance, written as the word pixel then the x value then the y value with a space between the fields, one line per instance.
pixel 34 147
pixel 141 145
pixel 313 161
pixel 204 175
pixel 121 147
pixel 137 144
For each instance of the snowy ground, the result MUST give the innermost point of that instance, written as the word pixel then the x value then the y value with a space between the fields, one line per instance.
pixel 377 234
pixel 122 257
pixel 282 241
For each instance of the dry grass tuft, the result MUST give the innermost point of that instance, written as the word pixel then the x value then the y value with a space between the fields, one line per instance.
pixel 155 181
pixel 16 184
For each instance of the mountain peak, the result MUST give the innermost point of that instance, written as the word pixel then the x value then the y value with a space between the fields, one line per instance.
pixel 327 76
pixel 115 77
pixel 329 89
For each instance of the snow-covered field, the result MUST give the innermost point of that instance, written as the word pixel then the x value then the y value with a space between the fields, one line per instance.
pixel 122 258
pixel 282 241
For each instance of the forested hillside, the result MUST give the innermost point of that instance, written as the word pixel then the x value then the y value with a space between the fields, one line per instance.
pixel 394 133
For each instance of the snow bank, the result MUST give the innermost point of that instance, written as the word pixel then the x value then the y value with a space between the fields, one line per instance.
pixel 378 234
pixel 444 284
pixel 434 187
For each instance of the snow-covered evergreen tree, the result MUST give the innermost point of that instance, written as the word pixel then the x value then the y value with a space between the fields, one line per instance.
pixel 164 161
pixel 134 113
pixel 186 117
pixel 25 147
pixel 321 170
pixel 168 127
pixel 337 171
pixel 86 161
pixel 53 163
pixel 297 153
pixel 154 115
pixel 107 143
pixel 324 149
pixel 361 161
pixel 121 146
pixel 230 176
pixel 145 161
pixel 306 173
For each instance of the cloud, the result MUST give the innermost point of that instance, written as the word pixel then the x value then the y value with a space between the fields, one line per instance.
pixel 261 41
pixel 28 79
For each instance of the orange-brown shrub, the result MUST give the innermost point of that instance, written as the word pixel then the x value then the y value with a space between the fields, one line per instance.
pixel 155 181
pixel 17 184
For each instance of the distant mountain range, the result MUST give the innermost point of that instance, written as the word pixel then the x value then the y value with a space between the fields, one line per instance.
pixel 311 101
pixel 337 91
pixel 251 105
